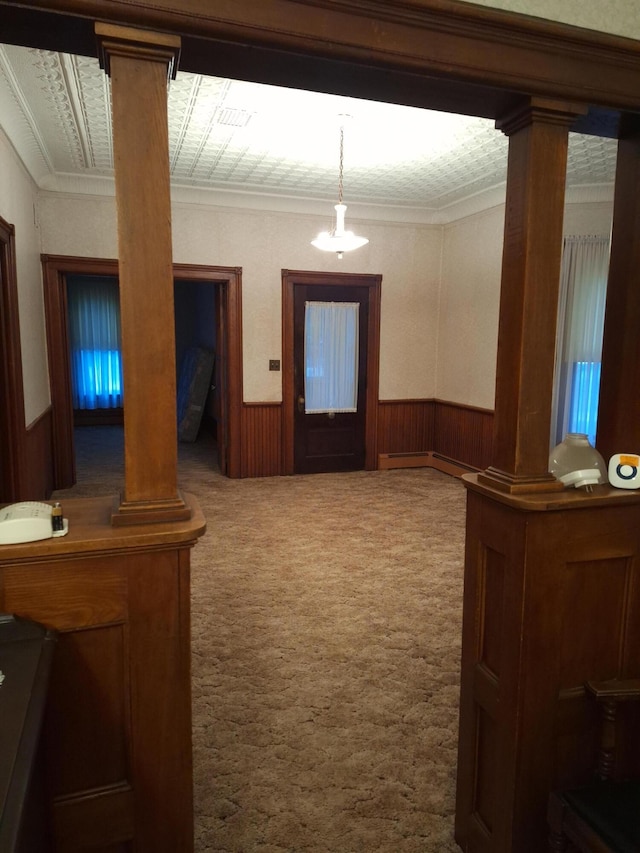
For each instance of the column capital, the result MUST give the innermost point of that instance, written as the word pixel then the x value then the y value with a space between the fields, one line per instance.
pixel 531 110
pixel 137 44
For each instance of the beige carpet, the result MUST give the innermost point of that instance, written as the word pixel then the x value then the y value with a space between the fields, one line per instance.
pixel 326 614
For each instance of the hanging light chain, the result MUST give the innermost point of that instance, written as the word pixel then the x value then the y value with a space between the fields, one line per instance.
pixel 341 164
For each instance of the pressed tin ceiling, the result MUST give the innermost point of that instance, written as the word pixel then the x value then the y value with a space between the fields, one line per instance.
pixel 266 141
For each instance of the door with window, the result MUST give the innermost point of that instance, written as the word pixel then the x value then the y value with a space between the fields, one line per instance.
pixel 330 358
pixel 330 368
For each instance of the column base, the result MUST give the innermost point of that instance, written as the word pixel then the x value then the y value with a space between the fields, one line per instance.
pixel 149 512
pixel 515 484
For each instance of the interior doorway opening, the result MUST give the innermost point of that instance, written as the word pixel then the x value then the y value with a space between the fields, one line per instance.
pixel 218 288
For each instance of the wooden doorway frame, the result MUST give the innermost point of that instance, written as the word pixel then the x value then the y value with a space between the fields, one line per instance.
pixel 374 283
pixel 12 418
pixel 55 269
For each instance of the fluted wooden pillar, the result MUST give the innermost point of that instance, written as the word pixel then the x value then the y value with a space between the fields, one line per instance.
pixel 538 140
pixel 619 409
pixel 139 64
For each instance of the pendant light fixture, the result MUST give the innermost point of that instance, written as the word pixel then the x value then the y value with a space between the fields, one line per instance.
pixel 338 240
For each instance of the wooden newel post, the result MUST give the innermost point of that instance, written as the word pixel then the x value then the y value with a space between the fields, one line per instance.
pixel 538 134
pixel 139 64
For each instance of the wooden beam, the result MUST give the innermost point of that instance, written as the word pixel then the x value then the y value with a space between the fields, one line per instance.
pixel 450 45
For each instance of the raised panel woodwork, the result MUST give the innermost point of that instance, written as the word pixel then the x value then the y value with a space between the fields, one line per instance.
pixel 485 802
pixel 117 734
pixel 590 590
pixel 83 599
pixel 552 599
pixel 102 821
pixel 492 609
pixel 261 427
pixel 87 723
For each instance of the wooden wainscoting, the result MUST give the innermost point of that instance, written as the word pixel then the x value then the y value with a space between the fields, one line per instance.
pixel 261 432
pixel 463 434
pixel 37 479
pixel 405 426
pixel 450 436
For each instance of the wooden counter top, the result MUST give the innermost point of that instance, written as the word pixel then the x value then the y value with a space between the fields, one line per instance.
pixel 601 496
pixel 91 531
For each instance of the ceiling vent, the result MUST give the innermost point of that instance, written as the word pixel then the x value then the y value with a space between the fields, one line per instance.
pixel 229 117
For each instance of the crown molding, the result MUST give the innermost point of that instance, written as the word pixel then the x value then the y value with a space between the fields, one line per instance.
pixel 104 187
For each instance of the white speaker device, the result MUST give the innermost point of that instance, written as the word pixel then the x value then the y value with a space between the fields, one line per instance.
pixel 624 471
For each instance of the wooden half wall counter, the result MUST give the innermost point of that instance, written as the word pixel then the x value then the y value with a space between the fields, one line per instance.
pixel 551 600
pixel 117 732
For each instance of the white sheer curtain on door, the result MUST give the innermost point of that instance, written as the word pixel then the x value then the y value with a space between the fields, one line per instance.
pixel 331 357
pixel 583 291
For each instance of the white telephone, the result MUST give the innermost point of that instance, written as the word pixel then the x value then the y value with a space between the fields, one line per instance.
pixel 28 521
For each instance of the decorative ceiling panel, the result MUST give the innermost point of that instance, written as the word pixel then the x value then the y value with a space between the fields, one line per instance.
pixel 245 137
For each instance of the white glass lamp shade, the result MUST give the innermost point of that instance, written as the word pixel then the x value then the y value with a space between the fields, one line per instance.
pixel 338 240
pixel 575 462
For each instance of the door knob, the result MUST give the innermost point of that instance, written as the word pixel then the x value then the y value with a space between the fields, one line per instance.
pixel 301 404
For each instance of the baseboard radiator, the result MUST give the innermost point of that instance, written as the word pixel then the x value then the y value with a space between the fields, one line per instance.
pixel 423 459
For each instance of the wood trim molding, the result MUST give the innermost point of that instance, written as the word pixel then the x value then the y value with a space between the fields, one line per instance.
pixel 55 269
pixel 374 282
pixel 454 44
pixel 231 279
pixel 13 456
pixel 39 473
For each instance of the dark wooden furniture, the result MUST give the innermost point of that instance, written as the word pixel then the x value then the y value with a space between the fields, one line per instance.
pixel 26 653
pixel 603 815
pixel 117 730
pixel 551 600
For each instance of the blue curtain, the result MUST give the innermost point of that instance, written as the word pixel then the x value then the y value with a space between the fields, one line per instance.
pixel 94 336
pixel 585 392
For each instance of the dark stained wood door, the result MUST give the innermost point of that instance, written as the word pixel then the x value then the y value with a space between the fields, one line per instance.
pixel 329 441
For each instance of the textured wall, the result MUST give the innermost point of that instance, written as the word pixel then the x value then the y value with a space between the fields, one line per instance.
pixel 469 309
pixel 440 287
pixel 17 207
pixel 262 243
pixel 620 17
pixel 470 297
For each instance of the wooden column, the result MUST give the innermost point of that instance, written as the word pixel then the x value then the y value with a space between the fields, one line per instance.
pixel 619 410
pixel 139 64
pixel 538 138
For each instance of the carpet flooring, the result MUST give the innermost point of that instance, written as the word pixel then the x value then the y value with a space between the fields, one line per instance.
pixel 326 632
